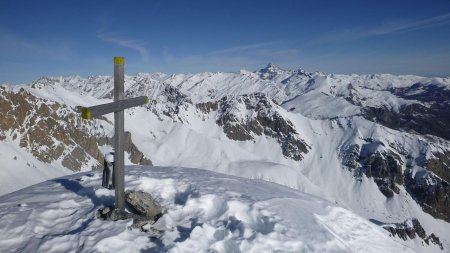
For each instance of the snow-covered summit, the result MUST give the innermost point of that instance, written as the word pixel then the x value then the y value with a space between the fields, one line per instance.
pixel 205 212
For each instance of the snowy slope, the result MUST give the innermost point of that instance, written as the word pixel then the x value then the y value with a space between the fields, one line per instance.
pixel 328 113
pixel 20 169
pixel 206 211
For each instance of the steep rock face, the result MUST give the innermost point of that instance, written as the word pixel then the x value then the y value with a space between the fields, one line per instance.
pixel 247 116
pixel 52 132
pixel 350 156
pixel 431 192
pixel 440 164
pixel 385 167
pixel 169 102
pixel 386 170
pixel 411 229
pixel 427 114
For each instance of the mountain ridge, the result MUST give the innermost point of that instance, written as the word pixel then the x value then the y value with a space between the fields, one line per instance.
pixel 363 140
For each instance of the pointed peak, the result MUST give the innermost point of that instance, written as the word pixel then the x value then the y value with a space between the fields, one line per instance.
pixel 271 68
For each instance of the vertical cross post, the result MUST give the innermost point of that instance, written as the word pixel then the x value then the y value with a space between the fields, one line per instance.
pixel 117 107
pixel 119 176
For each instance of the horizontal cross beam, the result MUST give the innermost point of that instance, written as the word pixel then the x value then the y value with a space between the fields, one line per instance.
pixel 89 112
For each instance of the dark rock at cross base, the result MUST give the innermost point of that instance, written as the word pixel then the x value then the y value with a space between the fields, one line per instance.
pixel 139 221
pixel 109 213
pixel 143 204
pixel 103 213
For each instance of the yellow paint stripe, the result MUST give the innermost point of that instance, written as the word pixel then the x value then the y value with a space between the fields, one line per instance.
pixel 85 113
pixel 119 60
pixel 147 99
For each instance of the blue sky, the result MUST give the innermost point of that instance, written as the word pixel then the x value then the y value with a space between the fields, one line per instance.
pixel 55 38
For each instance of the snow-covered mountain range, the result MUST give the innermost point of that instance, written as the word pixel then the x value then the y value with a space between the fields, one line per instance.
pixel 377 145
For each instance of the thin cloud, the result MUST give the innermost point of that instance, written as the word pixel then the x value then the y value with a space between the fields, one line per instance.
pixel 242 48
pixel 393 27
pixel 136 45
pixel 383 29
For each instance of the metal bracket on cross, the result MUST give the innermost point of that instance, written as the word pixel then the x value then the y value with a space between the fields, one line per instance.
pixel 117 108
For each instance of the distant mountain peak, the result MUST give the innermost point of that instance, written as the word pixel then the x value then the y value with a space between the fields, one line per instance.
pixel 272 68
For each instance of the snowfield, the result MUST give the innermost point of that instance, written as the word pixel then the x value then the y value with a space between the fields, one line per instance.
pixel 184 125
pixel 205 212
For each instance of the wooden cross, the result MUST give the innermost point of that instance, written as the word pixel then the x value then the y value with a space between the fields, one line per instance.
pixel 117 107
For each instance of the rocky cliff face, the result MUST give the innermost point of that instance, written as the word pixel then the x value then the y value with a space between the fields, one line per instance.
pixel 410 229
pixel 429 186
pixel 55 133
pixel 259 118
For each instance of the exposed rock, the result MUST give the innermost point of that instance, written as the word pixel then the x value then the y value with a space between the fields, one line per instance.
pixel 139 221
pixel 430 192
pixel 51 132
pixel 386 170
pixel 117 214
pixel 145 210
pixel 75 159
pixel 440 165
pixel 103 213
pixel 411 228
pixel 260 117
pixel 350 156
pixel 208 107
pixel 143 204
pixel 433 239
pixel 175 99
pixel 432 118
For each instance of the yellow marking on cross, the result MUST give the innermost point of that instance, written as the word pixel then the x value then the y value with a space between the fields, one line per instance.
pixel 85 113
pixel 119 60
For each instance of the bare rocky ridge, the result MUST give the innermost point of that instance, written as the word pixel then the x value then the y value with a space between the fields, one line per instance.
pixel 263 119
pixel 430 188
pixel 384 167
pixel 431 192
pixel 411 229
pixel 428 114
pixel 53 132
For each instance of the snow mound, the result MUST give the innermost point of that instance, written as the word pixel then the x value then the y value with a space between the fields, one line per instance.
pixel 205 212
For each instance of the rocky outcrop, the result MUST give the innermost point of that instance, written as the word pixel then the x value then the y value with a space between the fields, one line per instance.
pixel 54 132
pixel 427 114
pixel 384 167
pixel 410 229
pixel 144 211
pixel 440 164
pixel 208 107
pixel 143 203
pixel 386 170
pixel 247 116
pixel 350 156
pixel 174 100
pixel 431 192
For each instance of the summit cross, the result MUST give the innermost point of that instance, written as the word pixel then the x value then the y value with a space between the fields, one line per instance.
pixel 117 107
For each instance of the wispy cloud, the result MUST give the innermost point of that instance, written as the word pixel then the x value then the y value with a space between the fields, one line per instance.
pixel 245 48
pixel 407 26
pixel 386 28
pixel 136 45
